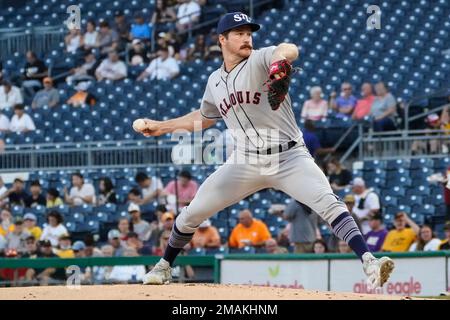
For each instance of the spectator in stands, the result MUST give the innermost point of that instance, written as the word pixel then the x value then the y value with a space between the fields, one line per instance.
pixel 85 72
pixel 445 245
pixel 64 249
pixel 80 193
pixel 21 121
pixel 141 227
pixel 82 96
pixel 73 40
pixel 345 103
pixel 364 105
pixel 2 71
pixel 32 250
pixel 339 177
pixel 249 232
pixel 106 38
pixel 303 226
pixel 121 26
pixel 106 192
pixel 6 223
pixel 367 203
pixel 54 228
pixel 426 240
pixel 114 240
pixel 206 236
pixel 271 246
pixel 140 29
pixel 188 14
pixel 45 276
pixel 9 96
pixel 312 141
pixel 429 146
pixel 78 248
pixel 53 199
pixel 35 198
pixel 111 68
pixel 134 242
pixel 29 223
pixel 212 48
pixel 198 49
pixel 445 126
pixel 34 72
pixel 134 196
pixel 316 108
pixel 48 96
pixel 343 247
pixel 446 186
pixel 16 239
pixel 16 195
pixel 4 124
pixel 91 249
pixel 401 238
pixel 320 246
pixel 349 201
pixel 161 68
pixel 375 237
pixel 185 187
pixel 173 43
pixel 138 53
pixel 89 40
pixel 152 188
pixel 3 245
pixel 167 220
pixel 163 14
pixel 124 228
pixel 127 274
pixel 3 190
pixel 384 109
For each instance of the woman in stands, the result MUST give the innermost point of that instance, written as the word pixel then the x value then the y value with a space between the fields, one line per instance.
pixel 427 240
pixel 338 176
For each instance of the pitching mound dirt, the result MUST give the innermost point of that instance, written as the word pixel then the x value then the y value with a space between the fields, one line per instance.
pixel 179 292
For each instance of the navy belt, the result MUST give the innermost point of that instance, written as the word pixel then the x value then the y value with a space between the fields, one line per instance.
pixel 278 149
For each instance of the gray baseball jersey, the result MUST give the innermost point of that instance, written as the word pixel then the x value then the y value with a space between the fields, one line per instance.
pixel 240 99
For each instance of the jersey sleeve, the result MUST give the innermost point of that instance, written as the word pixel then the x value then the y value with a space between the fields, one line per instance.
pixel 208 108
pixel 263 56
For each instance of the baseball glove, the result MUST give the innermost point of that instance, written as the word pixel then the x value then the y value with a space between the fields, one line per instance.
pixel 278 86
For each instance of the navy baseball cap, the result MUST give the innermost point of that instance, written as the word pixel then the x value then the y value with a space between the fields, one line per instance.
pixel 233 20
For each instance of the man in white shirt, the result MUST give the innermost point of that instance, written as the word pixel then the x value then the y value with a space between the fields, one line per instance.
pixel 4 123
pixel 111 68
pixel 188 13
pixel 161 68
pixel 9 96
pixel 151 187
pixel 367 203
pixel 80 193
pixel 21 122
pixel 3 191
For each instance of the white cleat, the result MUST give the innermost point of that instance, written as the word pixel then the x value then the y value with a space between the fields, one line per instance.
pixel 160 274
pixel 377 270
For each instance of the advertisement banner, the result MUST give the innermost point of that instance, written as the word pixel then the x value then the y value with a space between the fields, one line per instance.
pixel 276 273
pixel 412 276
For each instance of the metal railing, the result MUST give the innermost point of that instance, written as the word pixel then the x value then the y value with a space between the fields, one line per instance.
pixel 399 144
pixel 86 155
pixel 409 119
pixel 38 39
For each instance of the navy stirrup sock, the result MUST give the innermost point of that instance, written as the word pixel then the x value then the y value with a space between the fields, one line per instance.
pixel 344 226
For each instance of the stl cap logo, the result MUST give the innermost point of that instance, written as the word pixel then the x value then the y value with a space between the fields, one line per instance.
pixel 240 16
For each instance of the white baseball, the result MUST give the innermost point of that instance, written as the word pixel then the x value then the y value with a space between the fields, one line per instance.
pixel 139 124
